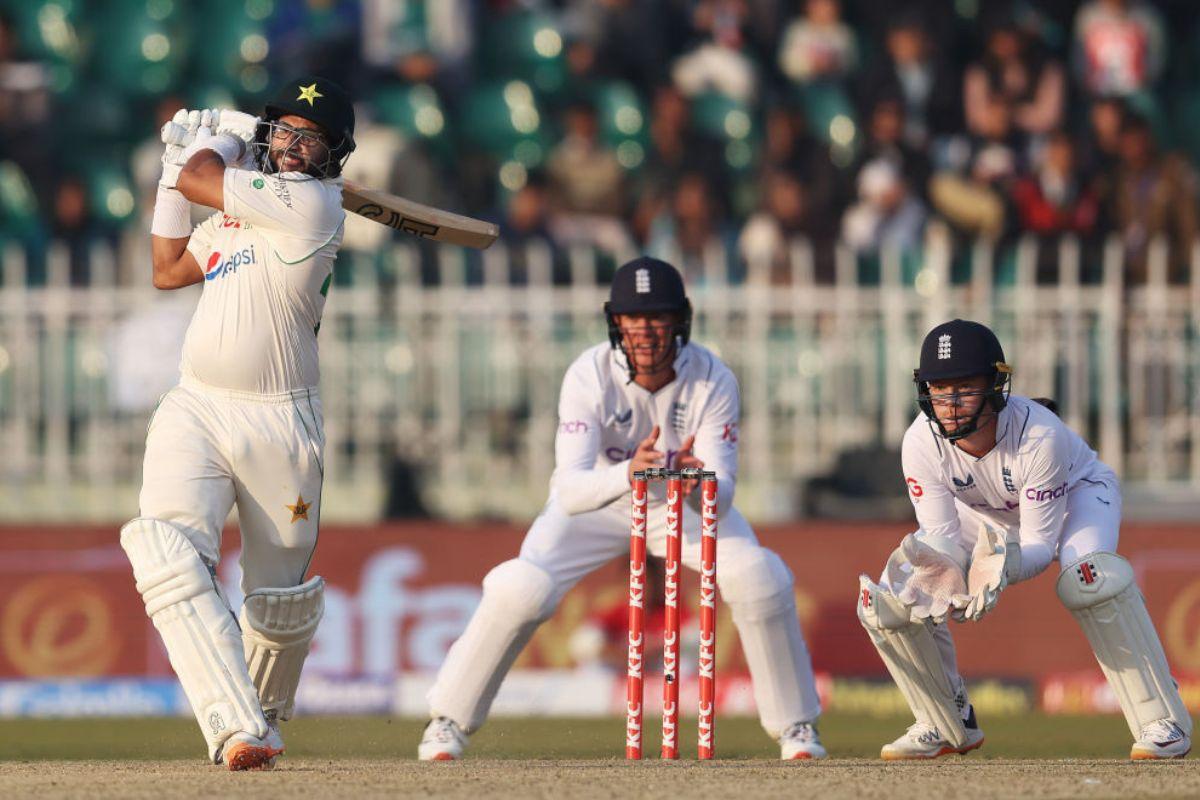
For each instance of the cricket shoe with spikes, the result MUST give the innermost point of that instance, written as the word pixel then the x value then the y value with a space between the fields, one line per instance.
pixel 244 751
pixel 801 742
pixel 443 740
pixel 924 741
pixel 1161 739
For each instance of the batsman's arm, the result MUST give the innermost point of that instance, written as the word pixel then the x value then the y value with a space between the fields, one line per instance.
pixel 202 179
pixel 174 266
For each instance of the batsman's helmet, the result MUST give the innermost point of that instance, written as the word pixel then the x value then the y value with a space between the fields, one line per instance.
pixel 323 102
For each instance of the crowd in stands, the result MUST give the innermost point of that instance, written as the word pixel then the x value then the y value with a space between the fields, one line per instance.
pixel 679 127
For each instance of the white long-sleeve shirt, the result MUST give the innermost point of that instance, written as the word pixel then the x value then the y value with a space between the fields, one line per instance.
pixel 267 262
pixel 602 416
pixel 1022 482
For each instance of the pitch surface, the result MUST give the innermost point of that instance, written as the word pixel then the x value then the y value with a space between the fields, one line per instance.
pixel 1030 756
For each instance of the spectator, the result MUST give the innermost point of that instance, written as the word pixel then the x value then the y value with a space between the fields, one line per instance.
pixel 1103 139
pixel 323 37
pixel 1055 199
pixel 885 140
pixel 915 71
pixel 74 227
pixel 887 215
pixel 1152 195
pixel 430 45
pixel 25 108
pixel 818 45
pixel 587 184
pixel 789 146
pixel 766 238
pixel 972 191
pixel 526 226
pixel 1014 72
pixel 675 149
pixel 689 232
pixel 625 39
pixel 719 62
pixel 1120 47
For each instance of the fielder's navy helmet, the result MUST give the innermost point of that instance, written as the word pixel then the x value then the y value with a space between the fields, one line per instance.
pixel 648 285
pixel 962 349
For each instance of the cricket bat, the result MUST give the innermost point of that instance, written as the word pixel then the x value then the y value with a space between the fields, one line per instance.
pixel 417 219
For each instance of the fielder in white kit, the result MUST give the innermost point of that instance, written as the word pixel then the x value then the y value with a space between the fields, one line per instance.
pixel 244 424
pixel 647 398
pixel 1001 488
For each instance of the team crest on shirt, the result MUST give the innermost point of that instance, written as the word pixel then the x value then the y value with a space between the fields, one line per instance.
pixel 1008 480
pixel 679 417
pixel 300 510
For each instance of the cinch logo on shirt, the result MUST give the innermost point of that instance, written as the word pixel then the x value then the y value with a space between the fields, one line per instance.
pixel 1038 495
pixel 218 266
pixel 573 426
pixel 616 455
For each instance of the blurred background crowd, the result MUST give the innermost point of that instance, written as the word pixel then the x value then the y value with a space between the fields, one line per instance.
pixel 691 129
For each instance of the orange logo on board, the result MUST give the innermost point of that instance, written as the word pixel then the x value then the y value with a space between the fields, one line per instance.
pixel 59 625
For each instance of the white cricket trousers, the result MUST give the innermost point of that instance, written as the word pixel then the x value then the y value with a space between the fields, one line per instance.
pixel 561 548
pixel 208 449
pixel 1092 525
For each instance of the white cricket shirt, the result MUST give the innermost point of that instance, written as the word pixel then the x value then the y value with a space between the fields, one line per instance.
pixel 602 415
pixel 267 261
pixel 1022 482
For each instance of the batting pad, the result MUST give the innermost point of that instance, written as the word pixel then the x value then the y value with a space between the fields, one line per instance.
pixel 278 626
pixel 913 659
pixel 1100 591
pixel 197 628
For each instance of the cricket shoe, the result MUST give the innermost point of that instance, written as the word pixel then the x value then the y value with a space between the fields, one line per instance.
pixel 1161 739
pixel 244 751
pixel 442 740
pixel 924 741
pixel 801 742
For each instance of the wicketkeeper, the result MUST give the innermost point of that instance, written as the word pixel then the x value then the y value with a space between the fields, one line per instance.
pixel 244 424
pixel 1001 489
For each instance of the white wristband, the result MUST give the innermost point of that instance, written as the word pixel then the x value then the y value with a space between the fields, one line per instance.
pixel 229 147
pixel 172 215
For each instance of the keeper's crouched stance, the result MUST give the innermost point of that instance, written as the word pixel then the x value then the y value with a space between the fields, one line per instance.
pixel 649 387
pixel 1002 488
pixel 244 425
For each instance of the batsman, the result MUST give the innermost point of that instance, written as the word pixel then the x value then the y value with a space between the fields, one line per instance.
pixel 649 397
pixel 1002 488
pixel 244 426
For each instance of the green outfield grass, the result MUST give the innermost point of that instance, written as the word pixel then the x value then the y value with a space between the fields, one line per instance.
pixel 846 736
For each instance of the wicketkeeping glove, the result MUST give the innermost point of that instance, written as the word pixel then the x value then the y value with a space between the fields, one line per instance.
pixel 994 564
pixel 936 579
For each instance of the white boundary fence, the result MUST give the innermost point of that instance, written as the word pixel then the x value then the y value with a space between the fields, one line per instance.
pixel 461 379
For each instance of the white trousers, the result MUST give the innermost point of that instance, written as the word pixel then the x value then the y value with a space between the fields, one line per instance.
pixel 561 548
pixel 1092 524
pixel 208 449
